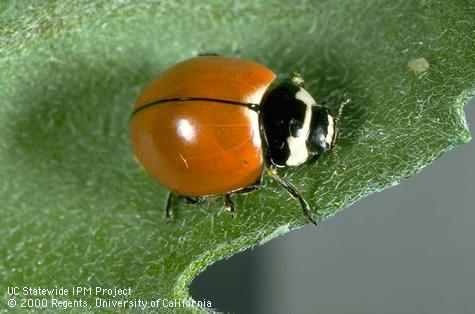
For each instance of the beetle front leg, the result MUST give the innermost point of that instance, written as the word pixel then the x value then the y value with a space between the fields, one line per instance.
pixel 294 193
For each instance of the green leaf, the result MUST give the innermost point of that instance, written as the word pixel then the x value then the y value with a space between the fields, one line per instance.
pixel 78 211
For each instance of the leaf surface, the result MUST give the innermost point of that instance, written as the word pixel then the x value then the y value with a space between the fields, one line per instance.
pixel 78 211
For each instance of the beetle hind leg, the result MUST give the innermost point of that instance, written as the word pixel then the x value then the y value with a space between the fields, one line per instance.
pixel 229 205
pixel 213 54
pixel 185 199
pixel 168 207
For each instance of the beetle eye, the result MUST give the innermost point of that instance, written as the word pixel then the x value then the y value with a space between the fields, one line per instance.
pixel 318 141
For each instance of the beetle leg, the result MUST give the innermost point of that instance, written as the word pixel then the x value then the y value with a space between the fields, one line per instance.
pixel 251 188
pixel 192 200
pixel 168 208
pixel 229 205
pixel 208 54
pixel 294 193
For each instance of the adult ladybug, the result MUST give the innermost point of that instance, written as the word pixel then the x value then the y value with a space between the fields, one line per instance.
pixel 212 125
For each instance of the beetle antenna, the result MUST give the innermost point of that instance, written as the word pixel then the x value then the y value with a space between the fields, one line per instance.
pixel 340 109
pixel 289 187
pixel 334 149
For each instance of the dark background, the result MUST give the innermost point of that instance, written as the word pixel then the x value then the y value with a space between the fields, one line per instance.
pixel 408 249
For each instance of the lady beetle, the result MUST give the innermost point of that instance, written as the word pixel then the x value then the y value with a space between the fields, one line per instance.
pixel 212 125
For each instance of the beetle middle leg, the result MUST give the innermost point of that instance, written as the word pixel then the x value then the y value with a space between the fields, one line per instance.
pixel 229 205
pixel 192 200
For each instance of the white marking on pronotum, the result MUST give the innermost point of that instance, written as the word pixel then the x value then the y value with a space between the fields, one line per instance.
pixel 297 145
pixel 184 160
pixel 330 131
pixel 304 96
